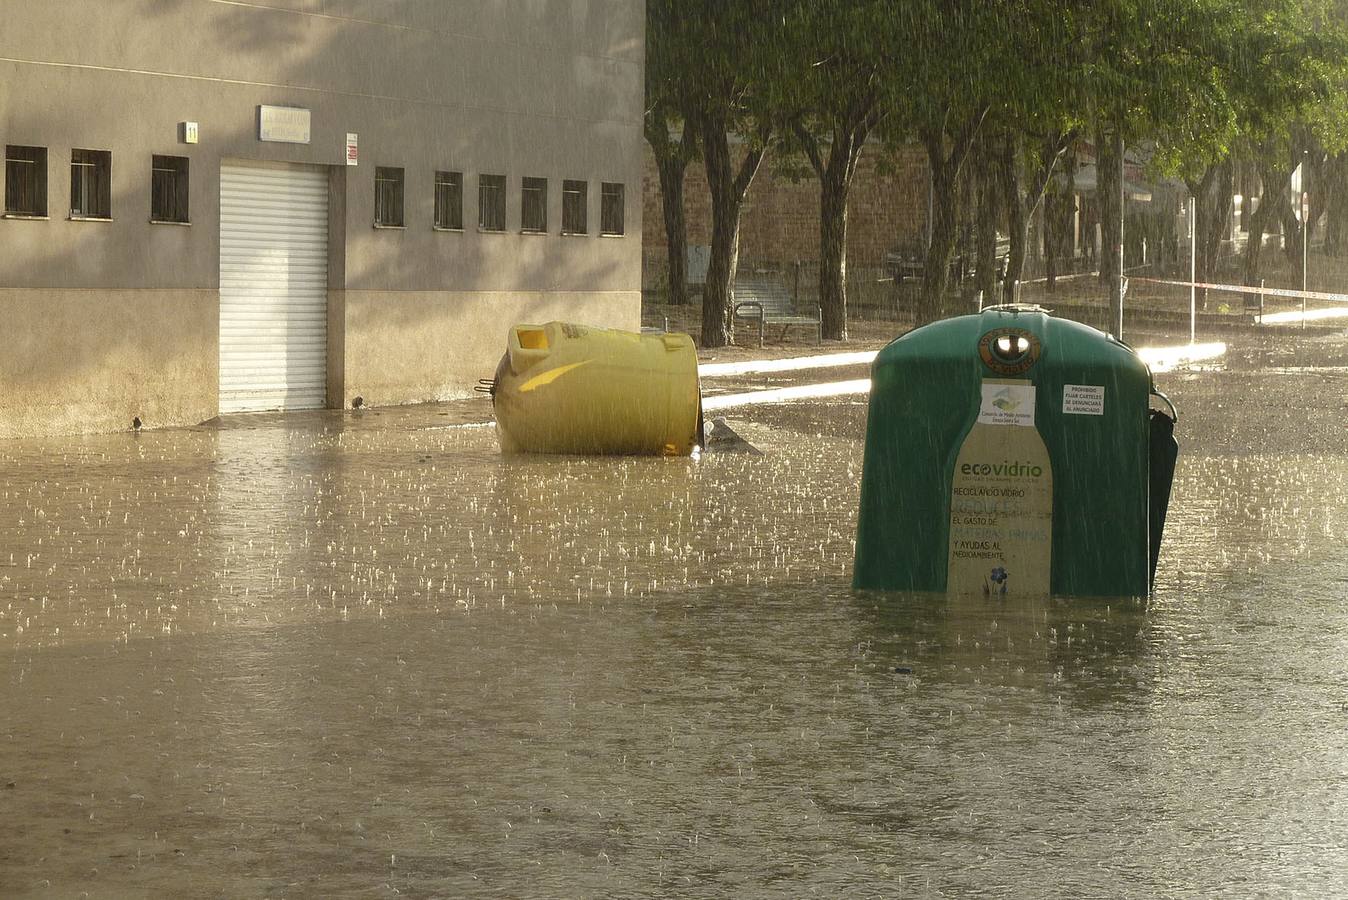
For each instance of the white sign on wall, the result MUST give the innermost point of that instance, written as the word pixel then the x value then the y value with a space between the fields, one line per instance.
pixel 352 150
pixel 283 124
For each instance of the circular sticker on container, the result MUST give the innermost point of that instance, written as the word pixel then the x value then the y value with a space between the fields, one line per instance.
pixel 1009 351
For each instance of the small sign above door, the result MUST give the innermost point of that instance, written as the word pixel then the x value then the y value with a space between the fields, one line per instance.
pixel 283 124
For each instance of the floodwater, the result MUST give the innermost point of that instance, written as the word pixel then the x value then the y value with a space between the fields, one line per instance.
pixel 362 655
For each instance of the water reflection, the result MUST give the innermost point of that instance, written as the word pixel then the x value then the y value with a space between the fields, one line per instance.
pixel 1296 317
pixel 367 658
pixel 787 394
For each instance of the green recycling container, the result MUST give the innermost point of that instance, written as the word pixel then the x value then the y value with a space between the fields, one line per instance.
pixel 1011 452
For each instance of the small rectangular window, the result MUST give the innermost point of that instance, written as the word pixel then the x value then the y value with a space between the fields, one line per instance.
pixel 491 205
pixel 449 200
pixel 168 189
pixel 91 184
pixel 611 209
pixel 534 205
pixel 574 196
pixel 388 197
pixel 25 181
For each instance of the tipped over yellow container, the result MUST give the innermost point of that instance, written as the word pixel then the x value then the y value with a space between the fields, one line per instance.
pixel 564 388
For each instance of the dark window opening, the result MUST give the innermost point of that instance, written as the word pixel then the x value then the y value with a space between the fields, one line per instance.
pixel 388 197
pixel 534 205
pixel 449 200
pixel 611 209
pixel 91 184
pixel 491 205
pixel 25 181
pixel 574 196
pixel 168 189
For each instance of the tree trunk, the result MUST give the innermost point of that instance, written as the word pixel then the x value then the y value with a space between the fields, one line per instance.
pixel 835 183
pixel 833 188
pixel 1320 189
pixel 1223 212
pixel 1273 183
pixel 717 293
pixel 1051 236
pixel 989 215
pixel 1109 157
pixel 1291 233
pixel 672 171
pixel 728 186
pixel 1212 196
pixel 1108 199
pixel 1200 190
pixel 945 176
pixel 1336 206
pixel 1017 226
pixel 1062 229
pixel 671 160
pixel 934 303
pixel 1023 195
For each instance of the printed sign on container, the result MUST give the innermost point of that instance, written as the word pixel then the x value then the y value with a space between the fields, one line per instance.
pixel 1007 404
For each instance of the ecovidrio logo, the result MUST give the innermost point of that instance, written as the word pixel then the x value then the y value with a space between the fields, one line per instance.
pixel 1003 469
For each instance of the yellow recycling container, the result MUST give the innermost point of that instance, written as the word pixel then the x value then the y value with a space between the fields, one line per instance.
pixel 564 388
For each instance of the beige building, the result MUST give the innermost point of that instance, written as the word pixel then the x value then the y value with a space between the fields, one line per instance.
pixel 218 206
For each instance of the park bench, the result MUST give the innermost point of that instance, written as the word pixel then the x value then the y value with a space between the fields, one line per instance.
pixel 766 299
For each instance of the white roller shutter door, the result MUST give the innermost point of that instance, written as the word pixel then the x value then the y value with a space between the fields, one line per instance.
pixel 273 288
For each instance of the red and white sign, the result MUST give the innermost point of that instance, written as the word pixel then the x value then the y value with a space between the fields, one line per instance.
pixel 352 150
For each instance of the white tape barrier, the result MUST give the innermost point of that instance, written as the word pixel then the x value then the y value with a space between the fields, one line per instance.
pixel 794 364
pixel 1164 359
pixel 1160 359
pixel 1247 289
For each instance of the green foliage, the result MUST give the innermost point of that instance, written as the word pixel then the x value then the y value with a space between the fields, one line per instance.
pixel 1202 80
pixel 708 57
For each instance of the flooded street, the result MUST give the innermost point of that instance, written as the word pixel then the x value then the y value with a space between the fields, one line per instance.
pixel 364 655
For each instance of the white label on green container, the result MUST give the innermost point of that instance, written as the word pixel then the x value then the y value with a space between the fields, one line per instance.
pixel 1001 511
pixel 1083 399
pixel 1007 403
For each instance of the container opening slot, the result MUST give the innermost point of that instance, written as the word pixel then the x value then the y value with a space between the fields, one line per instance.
pixel 533 338
pixel 1011 347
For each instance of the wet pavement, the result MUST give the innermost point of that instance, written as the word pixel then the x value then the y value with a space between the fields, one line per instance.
pixel 363 655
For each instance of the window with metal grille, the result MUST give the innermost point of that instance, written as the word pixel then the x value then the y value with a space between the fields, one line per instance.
pixel 491 205
pixel 25 181
pixel 449 200
pixel 574 195
pixel 168 189
pixel 534 205
pixel 611 208
pixel 388 197
pixel 91 184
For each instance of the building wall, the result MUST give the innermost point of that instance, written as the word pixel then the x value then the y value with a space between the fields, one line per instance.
pixel 780 221
pixel 550 89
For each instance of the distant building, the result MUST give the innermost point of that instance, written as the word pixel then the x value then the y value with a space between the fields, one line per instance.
pixel 218 207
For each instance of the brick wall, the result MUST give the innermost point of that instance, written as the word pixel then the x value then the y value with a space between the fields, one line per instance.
pixel 780 222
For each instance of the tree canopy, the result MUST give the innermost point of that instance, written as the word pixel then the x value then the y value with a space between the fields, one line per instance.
pixel 997 90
